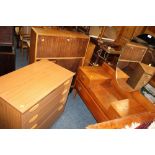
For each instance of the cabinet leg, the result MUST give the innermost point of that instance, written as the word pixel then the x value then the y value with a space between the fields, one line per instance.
pixel 74 92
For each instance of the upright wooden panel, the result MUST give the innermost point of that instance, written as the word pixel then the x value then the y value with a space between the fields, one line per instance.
pixel 33 47
pixel 89 53
pixel 53 46
pixel 9 117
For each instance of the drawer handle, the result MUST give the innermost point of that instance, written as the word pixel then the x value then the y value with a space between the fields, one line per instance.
pixel 67 82
pixel 62 100
pixel 42 39
pixel 65 91
pixel 68 39
pixel 33 118
pixel 60 108
pixel 34 126
pixel 34 108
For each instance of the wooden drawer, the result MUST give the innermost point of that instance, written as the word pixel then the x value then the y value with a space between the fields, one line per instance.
pixel 58 46
pixel 90 103
pixel 83 78
pixel 53 100
pixel 50 119
pixel 39 117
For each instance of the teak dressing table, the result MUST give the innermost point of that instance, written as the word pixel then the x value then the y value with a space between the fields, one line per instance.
pixel 107 102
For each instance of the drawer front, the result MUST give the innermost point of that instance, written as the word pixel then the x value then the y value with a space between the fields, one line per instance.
pixel 53 100
pixel 39 118
pixel 90 103
pixel 83 78
pixel 57 46
pixel 50 119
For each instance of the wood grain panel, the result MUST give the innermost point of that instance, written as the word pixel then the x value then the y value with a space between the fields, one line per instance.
pixel 61 46
pixel 9 117
pixel 32 83
pixel 33 47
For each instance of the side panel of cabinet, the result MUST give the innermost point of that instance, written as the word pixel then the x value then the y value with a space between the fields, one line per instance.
pixel 55 46
pixel 9 117
pixel 33 50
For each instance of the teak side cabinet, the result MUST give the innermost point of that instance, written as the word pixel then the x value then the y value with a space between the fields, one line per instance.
pixel 33 96
pixel 64 48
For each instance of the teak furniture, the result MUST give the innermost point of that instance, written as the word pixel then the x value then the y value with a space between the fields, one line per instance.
pixel 134 62
pixel 98 88
pixel 7 53
pixel 65 48
pixel 33 96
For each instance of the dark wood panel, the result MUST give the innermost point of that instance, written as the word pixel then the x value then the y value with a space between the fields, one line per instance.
pixel 54 46
pixel 32 47
pixel 6 35
pixel 70 64
pixel 7 63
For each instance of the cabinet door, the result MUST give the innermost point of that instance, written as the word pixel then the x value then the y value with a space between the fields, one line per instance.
pixel 55 46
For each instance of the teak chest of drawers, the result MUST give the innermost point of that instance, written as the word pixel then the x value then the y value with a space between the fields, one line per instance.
pixel 33 96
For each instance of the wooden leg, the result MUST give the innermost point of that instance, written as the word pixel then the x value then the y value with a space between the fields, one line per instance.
pixel 74 92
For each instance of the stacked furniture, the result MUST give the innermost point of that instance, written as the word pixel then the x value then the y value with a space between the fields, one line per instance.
pixel 7 54
pixel 104 98
pixel 33 96
pixel 64 48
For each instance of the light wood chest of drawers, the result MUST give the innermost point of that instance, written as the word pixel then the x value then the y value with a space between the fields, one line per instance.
pixel 33 96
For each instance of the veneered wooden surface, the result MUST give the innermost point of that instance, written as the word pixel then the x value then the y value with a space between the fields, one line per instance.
pixel 25 87
pixel 109 99
pixel 122 122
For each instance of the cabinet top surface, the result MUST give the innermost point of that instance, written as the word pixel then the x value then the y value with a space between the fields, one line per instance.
pixel 55 32
pixel 26 86
pixel 95 73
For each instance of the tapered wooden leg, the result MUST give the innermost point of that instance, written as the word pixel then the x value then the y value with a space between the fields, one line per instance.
pixel 74 92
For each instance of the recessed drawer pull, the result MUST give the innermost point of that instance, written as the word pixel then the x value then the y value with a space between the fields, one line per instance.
pixel 65 91
pixel 34 126
pixel 62 100
pixel 60 108
pixel 67 82
pixel 33 118
pixel 34 108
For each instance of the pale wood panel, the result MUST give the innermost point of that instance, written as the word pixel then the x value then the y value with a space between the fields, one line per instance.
pixel 9 117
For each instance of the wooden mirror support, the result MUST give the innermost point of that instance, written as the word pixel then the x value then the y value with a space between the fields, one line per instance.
pixel 135 67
